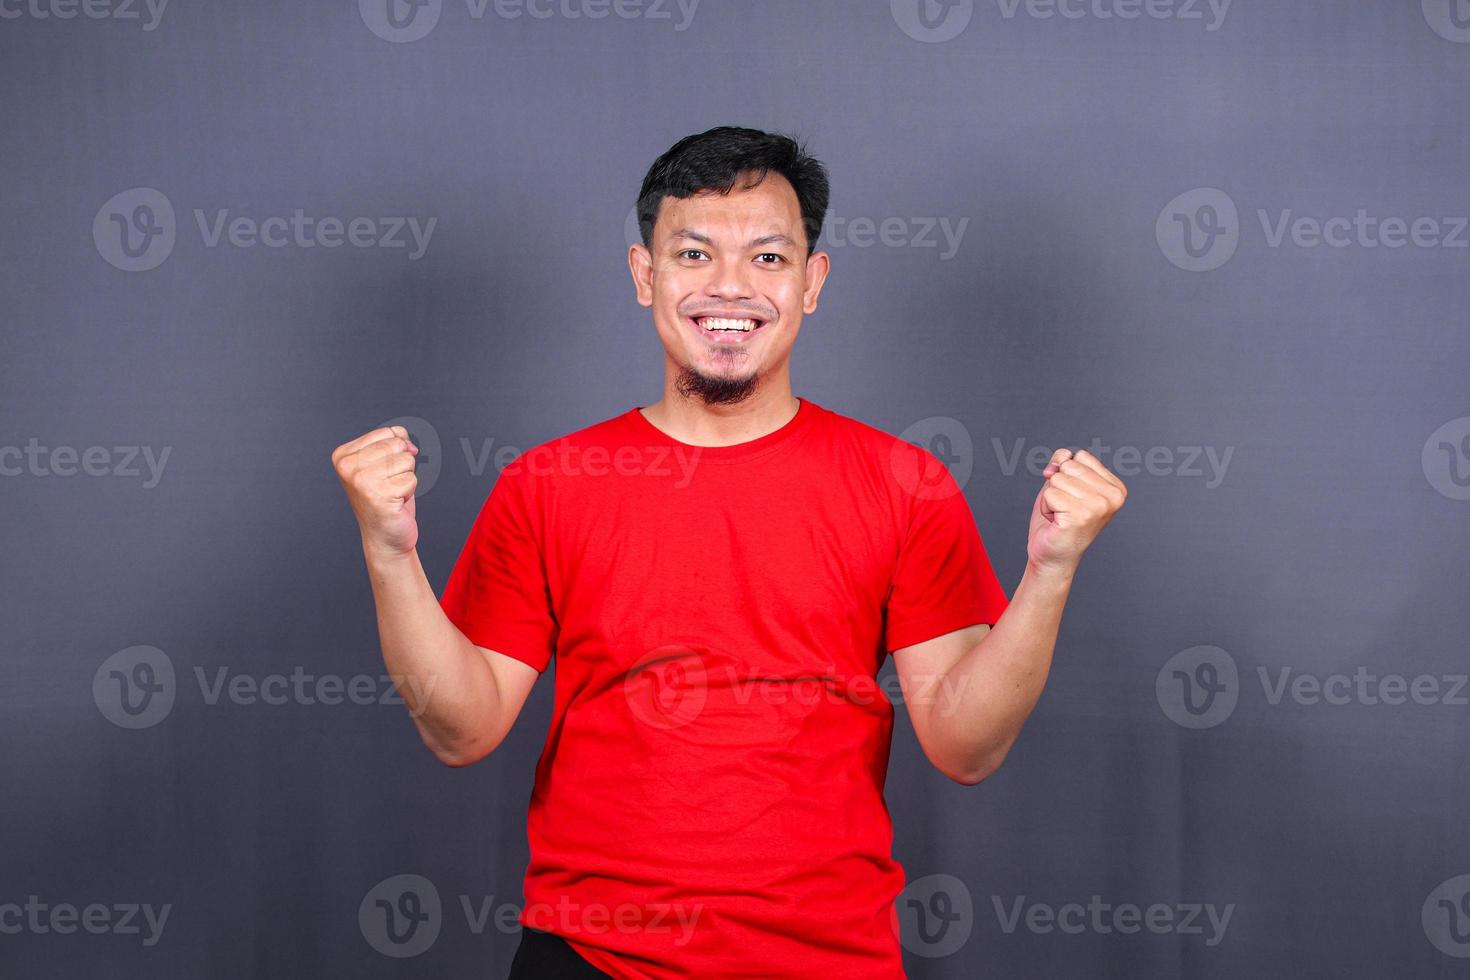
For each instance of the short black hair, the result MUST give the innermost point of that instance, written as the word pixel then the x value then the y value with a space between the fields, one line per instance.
pixel 712 160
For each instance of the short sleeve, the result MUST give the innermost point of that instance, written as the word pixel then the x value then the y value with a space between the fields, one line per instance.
pixel 943 580
pixel 497 592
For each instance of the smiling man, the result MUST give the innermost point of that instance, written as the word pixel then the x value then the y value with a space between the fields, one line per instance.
pixel 709 801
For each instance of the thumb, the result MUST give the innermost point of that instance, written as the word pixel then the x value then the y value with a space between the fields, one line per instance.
pixel 1055 463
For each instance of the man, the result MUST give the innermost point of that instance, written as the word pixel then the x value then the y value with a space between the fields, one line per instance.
pixel 718 577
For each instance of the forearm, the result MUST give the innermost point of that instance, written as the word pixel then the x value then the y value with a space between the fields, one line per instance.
pixel 447 684
pixel 985 697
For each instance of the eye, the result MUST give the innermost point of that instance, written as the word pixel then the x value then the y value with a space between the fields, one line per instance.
pixel 689 251
pixel 774 255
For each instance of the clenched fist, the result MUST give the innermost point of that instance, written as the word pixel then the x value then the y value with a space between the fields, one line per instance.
pixel 1076 502
pixel 377 471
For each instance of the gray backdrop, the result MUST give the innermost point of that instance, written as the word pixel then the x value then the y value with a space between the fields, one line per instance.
pixel 1227 242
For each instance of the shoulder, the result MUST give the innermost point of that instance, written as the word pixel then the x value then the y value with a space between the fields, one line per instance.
pixel 879 446
pixel 534 468
pixel 917 469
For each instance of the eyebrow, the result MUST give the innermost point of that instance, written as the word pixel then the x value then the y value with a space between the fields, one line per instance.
pixel 775 239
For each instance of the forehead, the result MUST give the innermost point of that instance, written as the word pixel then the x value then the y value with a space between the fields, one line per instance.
pixel 770 206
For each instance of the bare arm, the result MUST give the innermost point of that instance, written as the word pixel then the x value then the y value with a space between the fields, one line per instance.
pixel 970 691
pixel 463 698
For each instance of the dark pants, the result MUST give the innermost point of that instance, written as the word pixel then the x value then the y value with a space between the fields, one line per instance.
pixel 543 956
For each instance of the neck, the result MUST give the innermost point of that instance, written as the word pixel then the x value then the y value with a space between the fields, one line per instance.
pixel 689 420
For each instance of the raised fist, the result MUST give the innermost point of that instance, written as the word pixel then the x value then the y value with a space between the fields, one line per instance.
pixel 377 471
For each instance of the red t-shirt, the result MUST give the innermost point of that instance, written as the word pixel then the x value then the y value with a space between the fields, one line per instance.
pixel 709 801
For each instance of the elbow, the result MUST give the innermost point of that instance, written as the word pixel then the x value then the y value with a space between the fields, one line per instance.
pixel 457 760
pixel 973 776
pixel 976 769
pixel 460 754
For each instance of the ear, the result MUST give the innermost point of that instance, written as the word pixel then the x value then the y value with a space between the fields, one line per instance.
pixel 817 266
pixel 640 263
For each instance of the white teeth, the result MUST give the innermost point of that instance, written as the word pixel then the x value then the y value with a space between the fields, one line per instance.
pixel 724 323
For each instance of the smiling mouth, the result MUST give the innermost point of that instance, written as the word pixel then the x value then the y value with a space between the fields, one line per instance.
pixel 727 326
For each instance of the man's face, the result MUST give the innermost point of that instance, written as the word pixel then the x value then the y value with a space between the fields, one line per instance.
pixel 728 279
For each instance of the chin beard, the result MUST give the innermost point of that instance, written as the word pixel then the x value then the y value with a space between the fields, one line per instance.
pixel 715 391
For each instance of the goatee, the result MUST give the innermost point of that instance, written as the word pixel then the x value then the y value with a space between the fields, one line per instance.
pixel 715 391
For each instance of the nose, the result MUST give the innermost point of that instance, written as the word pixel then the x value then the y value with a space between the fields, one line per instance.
pixel 730 279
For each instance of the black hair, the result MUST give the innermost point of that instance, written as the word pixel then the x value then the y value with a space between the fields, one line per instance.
pixel 712 160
